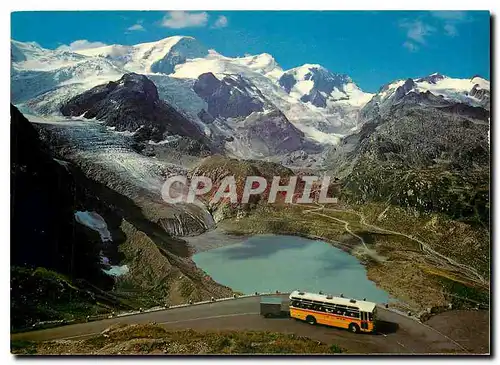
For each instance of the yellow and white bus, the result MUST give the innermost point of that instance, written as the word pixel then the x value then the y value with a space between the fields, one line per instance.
pixel 354 315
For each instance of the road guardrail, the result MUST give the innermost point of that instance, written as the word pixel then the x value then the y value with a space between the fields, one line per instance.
pixel 99 317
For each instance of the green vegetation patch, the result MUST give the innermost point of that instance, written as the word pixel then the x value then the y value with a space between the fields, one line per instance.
pixel 44 295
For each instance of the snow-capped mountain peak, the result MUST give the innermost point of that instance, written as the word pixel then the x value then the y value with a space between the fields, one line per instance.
pixel 32 56
pixel 312 83
pixel 222 95
pixel 21 51
pixel 451 89
pixel 323 105
pixel 432 78
pixel 480 82
pixel 263 63
pixel 432 90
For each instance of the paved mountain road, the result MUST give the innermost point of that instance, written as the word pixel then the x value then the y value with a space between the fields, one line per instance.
pixel 397 333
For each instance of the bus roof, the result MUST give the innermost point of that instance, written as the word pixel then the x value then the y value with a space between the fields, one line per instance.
pixel 361 304
pixel 271 300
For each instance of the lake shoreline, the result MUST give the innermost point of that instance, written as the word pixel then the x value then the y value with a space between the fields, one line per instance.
pixel 212 239
pixel 270 262
pixel 235 236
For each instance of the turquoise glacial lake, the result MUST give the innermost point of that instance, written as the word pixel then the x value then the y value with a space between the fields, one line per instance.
pixel 266 263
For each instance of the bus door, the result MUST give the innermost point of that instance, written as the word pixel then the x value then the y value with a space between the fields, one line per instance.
pixel 364 319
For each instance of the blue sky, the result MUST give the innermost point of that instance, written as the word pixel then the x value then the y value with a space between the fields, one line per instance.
pixel 372 47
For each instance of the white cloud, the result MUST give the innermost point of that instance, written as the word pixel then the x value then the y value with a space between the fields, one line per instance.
pixel 412 47
pixel 417 30
pixel 450 20
pixel 80 44
pixel 136 27
pixel 221 22
pixel 450 15
pixel 184 19
pixel 435 22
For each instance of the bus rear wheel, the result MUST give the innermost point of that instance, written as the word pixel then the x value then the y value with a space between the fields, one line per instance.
pixel 311 320
pixel 354 328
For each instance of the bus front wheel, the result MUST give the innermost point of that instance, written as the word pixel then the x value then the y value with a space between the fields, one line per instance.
pixel 311 320
pixel 354 328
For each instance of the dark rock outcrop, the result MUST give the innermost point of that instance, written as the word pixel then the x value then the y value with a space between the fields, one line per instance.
pixel 327 81
pixel 205 117
pixel 231 97
pixel 324 82
pixel 276 133
pixel 483 95
pixel 56 266
pixel 315 98
pixel 287 82
pixel 404 89
pixel 132 104
pixel 257 123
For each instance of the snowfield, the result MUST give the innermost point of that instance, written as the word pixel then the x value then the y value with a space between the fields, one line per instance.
pixel 324 105
pixel 457 90
pixel 95 222
pixel 43 79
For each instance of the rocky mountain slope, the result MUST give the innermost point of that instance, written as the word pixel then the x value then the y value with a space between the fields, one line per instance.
pixel 336 95
pixel 44 80
pixel 49 249
pixel 121 119
pixel 231 100
pixel 132 104
pixel 86 239
pixel 434 90
pixel 252 125
pixel 423 146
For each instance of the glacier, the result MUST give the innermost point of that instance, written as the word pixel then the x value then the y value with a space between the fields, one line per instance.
pixel 323 105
